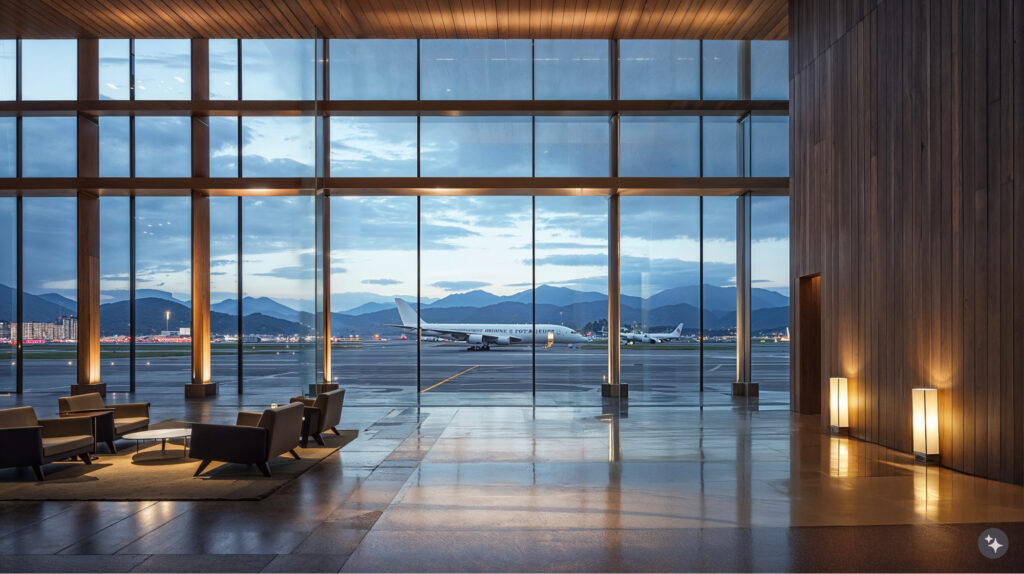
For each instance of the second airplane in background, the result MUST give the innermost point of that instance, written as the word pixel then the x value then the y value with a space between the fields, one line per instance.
pixel 652 337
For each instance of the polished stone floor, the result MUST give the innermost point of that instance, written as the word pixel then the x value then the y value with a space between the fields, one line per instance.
pixel 729 487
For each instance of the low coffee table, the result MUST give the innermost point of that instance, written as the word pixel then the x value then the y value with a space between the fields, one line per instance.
pixel 162 435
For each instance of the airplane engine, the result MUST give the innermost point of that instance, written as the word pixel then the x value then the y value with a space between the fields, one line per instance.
pixel 503 341
pixel 475 339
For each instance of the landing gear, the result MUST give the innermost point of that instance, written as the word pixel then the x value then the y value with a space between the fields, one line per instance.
pixel 484 347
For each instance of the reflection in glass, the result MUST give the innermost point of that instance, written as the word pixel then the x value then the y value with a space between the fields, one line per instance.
pixel 115 146
pixel 163 283
pixel 721 146
pixel 373 146
pixel 570 69
pixel 224 291
pixel 277 146
pixel 163 69
pixel 115 277
pixel 769 274
pixel 8 294
pixel 8 147
pixel 659 146
pixel 163 146
pixel 769 141
pixel 115 69
pixel 278 69
pixel 373 69
pixel 223 146
pixel 719 294
pixel 769 70
pixel 49 147
pixel 472 146
pixel 223 69
pixel 572 146
pixel 373 254
pixel 50 309
pixel 475 70
pixel 659 69
pixel 49 69
pixel 721 69
pixel 660 274
pixel 8 70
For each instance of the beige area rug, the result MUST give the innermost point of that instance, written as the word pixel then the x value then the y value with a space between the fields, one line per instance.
pixel 151 475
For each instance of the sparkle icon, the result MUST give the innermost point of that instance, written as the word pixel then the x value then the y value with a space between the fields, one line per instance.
pixel 993 543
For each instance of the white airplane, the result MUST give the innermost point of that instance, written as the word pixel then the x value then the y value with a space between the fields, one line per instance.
pixel 652 337
pixel 482 336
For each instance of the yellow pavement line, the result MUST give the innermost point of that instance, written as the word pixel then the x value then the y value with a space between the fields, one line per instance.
pixel 450 378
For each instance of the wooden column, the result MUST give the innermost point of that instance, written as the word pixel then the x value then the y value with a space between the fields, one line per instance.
pixel 201 385
pixel 743 385
pixel 612 387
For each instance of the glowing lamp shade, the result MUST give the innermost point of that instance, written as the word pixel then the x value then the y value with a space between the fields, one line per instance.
pixel 839 405
pixel 926 424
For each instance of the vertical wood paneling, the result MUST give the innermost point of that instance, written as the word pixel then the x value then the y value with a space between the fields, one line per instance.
pixel 907 173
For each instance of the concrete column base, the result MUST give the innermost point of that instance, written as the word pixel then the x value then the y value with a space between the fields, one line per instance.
pixel 620 390
pixel 317 388
pixel 100 388
pixel 744 389
pixel 200 390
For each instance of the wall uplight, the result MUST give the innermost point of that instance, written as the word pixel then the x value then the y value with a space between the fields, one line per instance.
pixel 926 425
pixel 839 406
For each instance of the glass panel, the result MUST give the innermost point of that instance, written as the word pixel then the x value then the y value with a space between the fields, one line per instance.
pixel 373 146
pixel 721 69
pixel 163 69
pixel 163 283
pixel 8 147
pixel 115 146
pixel 769 140
pixel 769 70
pixel 572 291
pixel 277 147
pixel 115 69
pixel 115 301
pixel 278 69
pixel 719 296
pixel 570 69
pixel 223 146
pixel 8 293
pixel 660 298
pixel 49 147
pixel 659 69
pixel 721 146
pixel 223 69
pixel 373 69
pixel 769 297
pixel 475 70
pixel 278 303
pixel 8 70
pixel 572 146
pixel 659 146
pixel 476 146
pixel 224 292
pixel 472 276
pixel 49 69
pixel 373 254
pixel 51 291
pixel 163 147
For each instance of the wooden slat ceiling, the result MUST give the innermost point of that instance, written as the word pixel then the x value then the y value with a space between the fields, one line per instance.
pixel 710 19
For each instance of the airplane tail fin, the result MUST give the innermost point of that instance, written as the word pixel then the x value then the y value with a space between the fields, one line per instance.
pixel 679 330
pixel 407 313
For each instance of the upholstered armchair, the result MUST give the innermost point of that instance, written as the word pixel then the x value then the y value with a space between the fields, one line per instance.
pixel 254 439
pixel 28 441
pixel 128 417
pixel 328 414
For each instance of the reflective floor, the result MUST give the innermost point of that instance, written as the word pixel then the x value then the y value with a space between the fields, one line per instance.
pixel 730 487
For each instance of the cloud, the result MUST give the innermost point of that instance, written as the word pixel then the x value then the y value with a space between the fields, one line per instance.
pixel 380 281
pixel 291 272
pixel 459 285
pixel 574 260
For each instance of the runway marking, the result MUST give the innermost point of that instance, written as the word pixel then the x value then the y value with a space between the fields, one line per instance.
pixel 718 366
pixel 450 378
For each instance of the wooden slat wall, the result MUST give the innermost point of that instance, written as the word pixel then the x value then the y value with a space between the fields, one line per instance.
pixel 711 19
pixel 907 172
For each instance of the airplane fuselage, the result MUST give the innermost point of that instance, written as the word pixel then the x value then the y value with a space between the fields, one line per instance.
pixel 504 334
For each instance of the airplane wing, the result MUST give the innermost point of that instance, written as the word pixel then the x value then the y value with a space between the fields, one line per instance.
pixel 457 335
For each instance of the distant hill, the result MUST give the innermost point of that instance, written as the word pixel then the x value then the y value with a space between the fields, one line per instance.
pixel 475 298
pixel 123 294
pixel 150 320
pixel 36 308
pixel 262 305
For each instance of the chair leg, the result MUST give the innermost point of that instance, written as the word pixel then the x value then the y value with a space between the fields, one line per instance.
pixel 305 441
pixel 202 466
pixel 264 468
pixel 319 439
pixel 335 431
pixel 86 458
pixel 39 472
pixel 295 454
pixel 110 445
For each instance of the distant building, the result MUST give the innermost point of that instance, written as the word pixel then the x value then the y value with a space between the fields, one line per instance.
pixel 63 329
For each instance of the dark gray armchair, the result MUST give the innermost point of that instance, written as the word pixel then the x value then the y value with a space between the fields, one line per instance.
pixel 328 406
pixel 255 439
pixel 128 417
pixel 28 441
